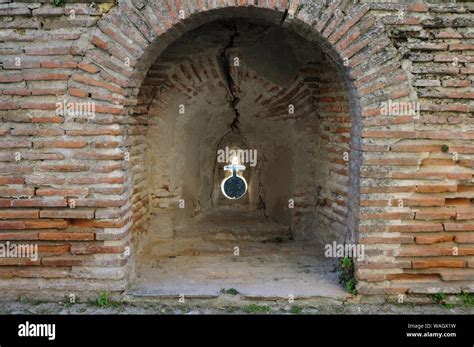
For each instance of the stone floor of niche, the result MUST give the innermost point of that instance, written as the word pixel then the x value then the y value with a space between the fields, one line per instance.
pixel 200 261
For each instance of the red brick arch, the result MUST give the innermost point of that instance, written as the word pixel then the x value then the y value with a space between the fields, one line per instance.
pixel 130 37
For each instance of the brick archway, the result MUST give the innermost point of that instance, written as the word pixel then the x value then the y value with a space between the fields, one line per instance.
pixel 117 54
pixel 354 39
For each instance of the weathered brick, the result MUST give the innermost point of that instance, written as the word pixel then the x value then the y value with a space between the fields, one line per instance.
pixel 387 215
pixel 436 188
pixel 10 236
pixel 69 213
pixel 46 224
pixel 18 261
pixel 97 155
pixel 11 180
pixel 465 238
pixel 88 67
pixel 63 168
pixel 64 236
pixel 17 192
pixel 15 144
pixel 435 214
pixel 12 225
pixel 62 191
pixel 456 276
pixel 386 240
pixel 13 77
pixel 412 277
pixel 94 132
pixel 99 42
pixel 59 144
pixel 416 227
pixel 426 264
pixel 390 134
pixel 465 215
pixel 461 47
pixel 61 261
pixel 457 83
pixel 99 203
pixel 96 249
pixel 44 76
pixel 38 203
pixel 78 92
pixel 429 240
pixel 47 50
pixel 448 35
pixel 18 214
pixel 428 46
pixel 96 180
pixel 418 7
pixel 106 144
pixel 58 64
pixel 95 223
pixel 424 202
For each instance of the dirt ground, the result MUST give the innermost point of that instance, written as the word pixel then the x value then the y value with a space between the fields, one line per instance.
pixel 216 308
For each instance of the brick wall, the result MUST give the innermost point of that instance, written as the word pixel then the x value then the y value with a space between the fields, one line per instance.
pixel 78 184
